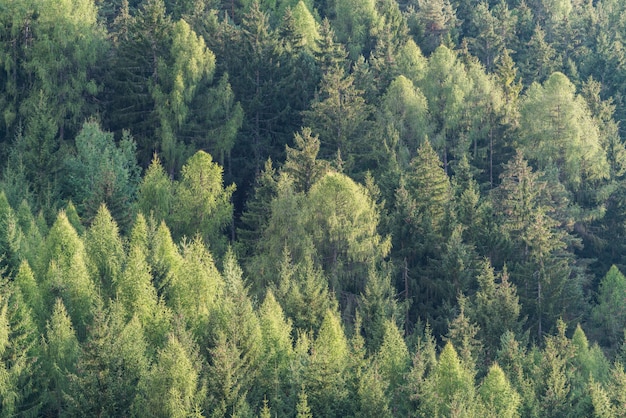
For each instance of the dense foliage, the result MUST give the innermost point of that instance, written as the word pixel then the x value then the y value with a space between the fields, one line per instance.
pixel 333 208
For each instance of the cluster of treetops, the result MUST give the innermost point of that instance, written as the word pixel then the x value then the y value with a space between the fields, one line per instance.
pixel 339 208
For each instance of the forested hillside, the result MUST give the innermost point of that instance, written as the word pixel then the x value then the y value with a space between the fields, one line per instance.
pixel 302 208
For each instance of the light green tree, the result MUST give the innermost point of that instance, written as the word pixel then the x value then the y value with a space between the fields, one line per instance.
pixel 64 266
pixel 557 128
pixel 173 386
pixel 498 397
pixel 325 378
pixel 449 388
pixel 203 205
pixel 105 250
pixel 609 315
pixel 61 352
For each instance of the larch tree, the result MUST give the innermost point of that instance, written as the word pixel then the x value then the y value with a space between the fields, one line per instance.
pixel 277 353
pixel 203 205
pixel 325 378
pixel 20 391
pixel 173 386
pixel 556 127
pixel 105 251
pixel 66 275
pixel 498 397
pixel 609 315
pixel 394 363
pixel 342 220
pixel 61 351
pixel 156 192
pixel 450 387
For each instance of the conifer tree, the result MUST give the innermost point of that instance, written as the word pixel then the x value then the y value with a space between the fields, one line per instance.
pixel 302 163
pixel 342 220
pixel 19 355
pixel 105 250
pixel 236 344
pixel 64 266
pixel 393 362
pixel 495 298
pixel 302 408
pixel 325 377
pixel 257 212
pixel 102 171
pixel 340 117
pixel 498 397
pixel 303 291
pixel 437 21
pixel 195 287
pixel 164 257
pixel 156 192
pixel 173 386
pixel 450 387
pixel 608 315
pixel 61 352
pixel 277 353
pixel 378 307
pixel 31 291
pixel 203 205
pixel 557 127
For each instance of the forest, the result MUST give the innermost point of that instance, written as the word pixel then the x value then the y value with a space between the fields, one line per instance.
pixel 313 208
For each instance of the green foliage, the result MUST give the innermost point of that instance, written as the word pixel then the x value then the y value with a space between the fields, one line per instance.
pixel 202 203
pixel 61 352
pixel 105 250
pixel 449 388
pixel 342 221
pixel 491 156
pixel 608 315
pixel 497 395
pixel 64 266
pixel 172 387
pixel 19 356
pixel 557 128
pixel 102 172
pixel 325 379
